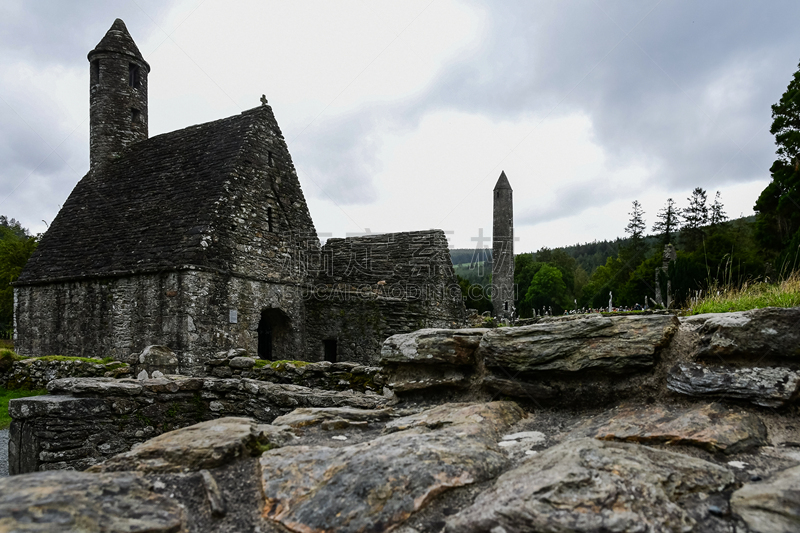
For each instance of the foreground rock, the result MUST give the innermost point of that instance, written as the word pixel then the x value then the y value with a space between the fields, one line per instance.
pixel 712 427
pixel 768 387
pixel 335 417
pixel 433 346
pixel 205 445
pixel 77 501
pixel 375 486
pixel 619 344
pixel 771 506
pixel 590 485
pixel 751 335
pixel 87 420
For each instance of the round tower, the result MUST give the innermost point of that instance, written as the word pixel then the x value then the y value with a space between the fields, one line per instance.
pixel 503 250
pixel 117 95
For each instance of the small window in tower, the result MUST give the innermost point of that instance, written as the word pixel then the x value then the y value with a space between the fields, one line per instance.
pixel 136 116
pixel 270 160
pixel 94 75
pixel 269 219
pixel 133 75
pixel 506 306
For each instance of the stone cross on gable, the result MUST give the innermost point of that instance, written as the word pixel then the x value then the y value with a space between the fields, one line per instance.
pixel 263 99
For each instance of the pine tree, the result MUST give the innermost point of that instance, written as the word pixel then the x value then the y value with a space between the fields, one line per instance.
pixel 695 217
pixel 669 221
pixel 717 215
pixel 635 227
pixel 636 246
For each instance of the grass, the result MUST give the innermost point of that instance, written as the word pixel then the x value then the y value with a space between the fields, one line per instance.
pixel 6 344
pixel 6 395
pixel 15 356
pixel 752 295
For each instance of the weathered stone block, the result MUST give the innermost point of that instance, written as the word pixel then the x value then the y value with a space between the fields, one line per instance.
pixel 433 346
pixel 768 387
pixel 587 485
pixel 771 506
pixel 77 501
pixel 712 427
pixel 619 344
pixel 767 332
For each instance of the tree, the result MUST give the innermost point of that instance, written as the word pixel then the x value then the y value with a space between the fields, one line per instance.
pixel 695 217
pixel 636 245
pixel 15 249
pixel 547 289
pixel 669 221
pixel 717 215
pixel 778 206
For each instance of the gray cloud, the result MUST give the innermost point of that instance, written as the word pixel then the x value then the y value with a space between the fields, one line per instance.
pixel 685 87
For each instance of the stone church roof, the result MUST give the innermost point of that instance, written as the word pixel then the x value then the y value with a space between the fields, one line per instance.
pixel 170 202
pixel 117 39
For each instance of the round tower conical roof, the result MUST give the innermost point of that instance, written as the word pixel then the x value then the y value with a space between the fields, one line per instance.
pixel 117 40
pixel 502 182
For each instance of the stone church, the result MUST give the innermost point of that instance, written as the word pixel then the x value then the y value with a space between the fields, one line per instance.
pixel 201 240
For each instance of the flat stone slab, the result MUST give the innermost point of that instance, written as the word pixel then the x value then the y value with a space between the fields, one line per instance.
pixel 78 501
pixel 309 416
pixel 201 446
pixel 494 415
pixel 771 506
pixel 619 344
pixel 767 332
pixel 376 485
pixel 433 346
pixel 768 387
pixel 405 378
pixel 712 427
pixel 587 485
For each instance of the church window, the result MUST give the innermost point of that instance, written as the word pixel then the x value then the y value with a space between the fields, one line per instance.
pixel 269 219
pixel 136 116
pixel 506 306
pixel 94 74
pixel 270 160
pixel 133 75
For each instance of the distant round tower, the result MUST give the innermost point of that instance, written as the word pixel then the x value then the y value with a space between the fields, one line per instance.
pixel 503 249
pixel 118 95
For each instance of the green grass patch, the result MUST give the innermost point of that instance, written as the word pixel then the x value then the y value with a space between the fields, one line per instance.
pixel 752 295
pixel 6 344
pixel 103 361
pixel 6 396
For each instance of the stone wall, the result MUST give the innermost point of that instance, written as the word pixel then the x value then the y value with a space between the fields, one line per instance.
pixel 36 373
pixel 87 420
pixel 321 375
pixel 374 286
pixel 190 311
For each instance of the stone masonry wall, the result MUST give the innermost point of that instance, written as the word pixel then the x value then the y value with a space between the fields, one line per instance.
pixel 375 286
pixel 87 420
pixel 189 311
pixel 36 373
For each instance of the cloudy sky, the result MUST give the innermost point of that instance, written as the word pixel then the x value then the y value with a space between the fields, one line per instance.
pixel 400 115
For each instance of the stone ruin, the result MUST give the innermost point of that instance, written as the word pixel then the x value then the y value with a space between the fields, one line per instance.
pixel 651 422
pixel 201 240
pixel 401 420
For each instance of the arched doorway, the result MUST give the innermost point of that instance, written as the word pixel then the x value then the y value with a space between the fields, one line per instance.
pixel 274 335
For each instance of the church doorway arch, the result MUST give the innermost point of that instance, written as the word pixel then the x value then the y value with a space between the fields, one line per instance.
pixel 274 335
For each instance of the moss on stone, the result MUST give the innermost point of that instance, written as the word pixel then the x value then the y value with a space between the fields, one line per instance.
pixel 281 365
pixel 102 361
pixel 7 358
